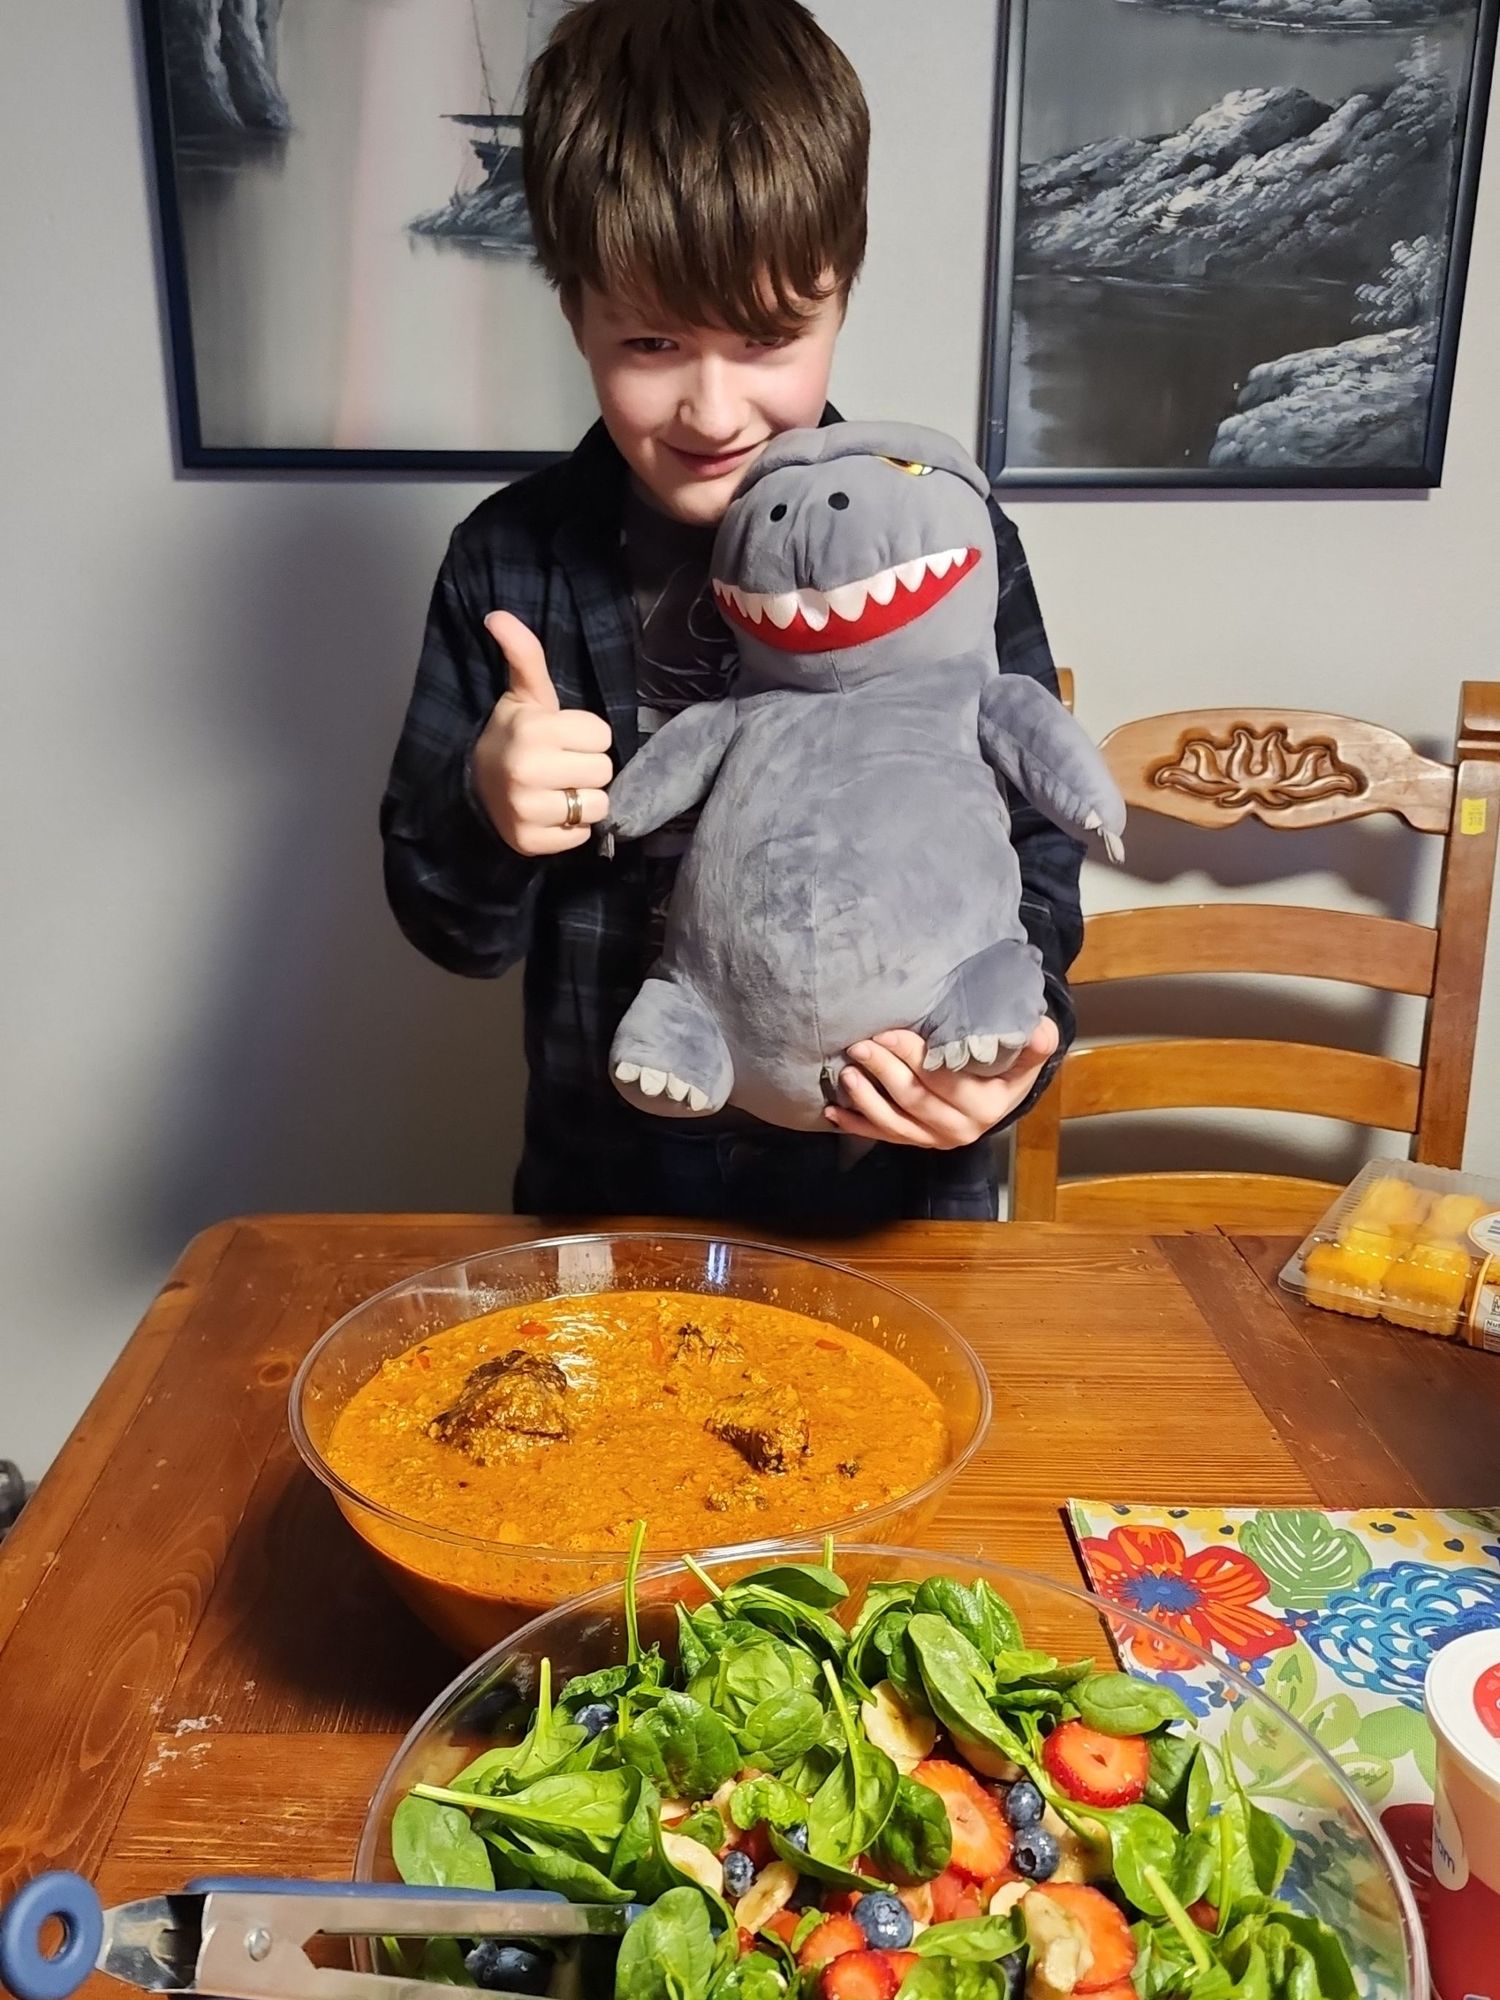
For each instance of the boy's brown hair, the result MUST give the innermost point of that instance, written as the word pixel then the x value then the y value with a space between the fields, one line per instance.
pixel 706 159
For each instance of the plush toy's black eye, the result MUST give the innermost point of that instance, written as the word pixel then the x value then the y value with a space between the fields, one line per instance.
pixel 778 512
pixel 839 500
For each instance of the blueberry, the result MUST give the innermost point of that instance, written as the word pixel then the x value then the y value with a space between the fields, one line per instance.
pixel 1023 1803
pixel 1035 1854
pixel 595 1716
pixel 796 1836
pixel 885 1921
pixel 1014 1969
pixel 739 1872
pixel 508 1968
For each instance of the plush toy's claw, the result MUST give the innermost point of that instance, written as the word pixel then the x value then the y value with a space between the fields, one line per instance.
pixel 1114 847
pixel 656 1082
pixel 993 1054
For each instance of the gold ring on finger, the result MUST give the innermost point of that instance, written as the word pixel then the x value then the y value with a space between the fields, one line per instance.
pixel 575 807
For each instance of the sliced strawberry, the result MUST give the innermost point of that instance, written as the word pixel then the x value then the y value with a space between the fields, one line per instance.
pixel 1204 1915
pixel 783 1925
pixel 859 1975
pixel 746 1941
pixel 1124 1989
pixel 991 1883
pixel 1105 1928
pixel 1096 1769
pixel 832 1938
pixel 981 1833
pixel 757 1844
pixel 901 1963
pixel 954 1895
pixel 840 1902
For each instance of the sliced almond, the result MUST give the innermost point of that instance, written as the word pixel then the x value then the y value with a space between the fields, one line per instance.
pixel 1007 1896
pixel 1061 1954
pixel 1079 1859
pixel 987 1762
pixel 900 1731
pixel 696 1860
pixel 672 1810
pixel 918 1901
pixel 722 1796
pixel 772 1889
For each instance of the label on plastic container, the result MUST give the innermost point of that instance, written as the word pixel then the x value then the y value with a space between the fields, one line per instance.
pixel 1484 1233
pixel 1484 1313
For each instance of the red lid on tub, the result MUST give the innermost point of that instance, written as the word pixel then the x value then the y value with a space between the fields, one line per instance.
pixel 1463 1698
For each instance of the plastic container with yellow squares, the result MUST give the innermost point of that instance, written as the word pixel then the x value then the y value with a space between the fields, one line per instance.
pixel 1416 1246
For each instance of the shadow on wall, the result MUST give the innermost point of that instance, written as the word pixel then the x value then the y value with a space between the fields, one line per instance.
pixel 1382 866
pixel 330 1066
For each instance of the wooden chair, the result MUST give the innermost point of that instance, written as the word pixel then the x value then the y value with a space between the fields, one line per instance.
pixel 1289 768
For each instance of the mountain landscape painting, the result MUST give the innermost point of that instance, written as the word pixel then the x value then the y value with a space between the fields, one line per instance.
pixel 1231 239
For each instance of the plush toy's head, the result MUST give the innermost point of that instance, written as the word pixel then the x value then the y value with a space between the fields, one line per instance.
pixel 856 549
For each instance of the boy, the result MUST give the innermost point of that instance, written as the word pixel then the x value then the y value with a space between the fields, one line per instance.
pixel 696 175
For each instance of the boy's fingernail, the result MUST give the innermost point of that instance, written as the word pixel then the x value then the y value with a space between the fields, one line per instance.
pixel 862 1050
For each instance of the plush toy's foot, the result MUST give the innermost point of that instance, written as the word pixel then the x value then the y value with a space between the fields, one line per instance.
pixel 989 1011
pixel 669 1055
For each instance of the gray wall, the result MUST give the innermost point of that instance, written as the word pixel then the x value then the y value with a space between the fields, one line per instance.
pixel 207 1009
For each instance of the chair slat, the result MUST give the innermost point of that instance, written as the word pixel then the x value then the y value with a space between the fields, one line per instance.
pixel 1289 767
pixel 1276 1203
pixel 1257 937
pixel 1244 1075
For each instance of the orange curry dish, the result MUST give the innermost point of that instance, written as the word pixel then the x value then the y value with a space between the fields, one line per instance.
pixel 715 1419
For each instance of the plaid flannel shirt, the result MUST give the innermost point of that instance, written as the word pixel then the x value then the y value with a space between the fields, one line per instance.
pixel 549 549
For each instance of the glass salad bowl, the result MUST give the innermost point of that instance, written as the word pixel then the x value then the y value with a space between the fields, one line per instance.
pixel 471 1590
pixel 1340 1870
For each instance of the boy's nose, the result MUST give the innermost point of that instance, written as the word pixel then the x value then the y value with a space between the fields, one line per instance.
pixel 710 408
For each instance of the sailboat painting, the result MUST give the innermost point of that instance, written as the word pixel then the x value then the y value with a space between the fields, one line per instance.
pixel 345 243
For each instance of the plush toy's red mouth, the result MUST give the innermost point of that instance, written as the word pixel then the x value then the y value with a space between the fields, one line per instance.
pixel 825 621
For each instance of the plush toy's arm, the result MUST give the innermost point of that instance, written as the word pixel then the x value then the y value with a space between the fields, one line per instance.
pixel 1028 737
pixel 670 773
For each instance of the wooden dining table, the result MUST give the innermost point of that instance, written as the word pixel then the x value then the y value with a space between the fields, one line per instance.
pixel 202 1672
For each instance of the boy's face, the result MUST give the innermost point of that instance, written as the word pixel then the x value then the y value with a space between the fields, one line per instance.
pixel 692 408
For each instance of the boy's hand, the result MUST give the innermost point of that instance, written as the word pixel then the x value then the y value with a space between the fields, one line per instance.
pixel 536 757
pixel 895 1099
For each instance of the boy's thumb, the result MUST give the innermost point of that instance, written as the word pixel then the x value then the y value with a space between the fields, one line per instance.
pixel 525 661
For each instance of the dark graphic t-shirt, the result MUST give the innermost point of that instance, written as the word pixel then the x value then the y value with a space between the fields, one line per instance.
pixel 685 653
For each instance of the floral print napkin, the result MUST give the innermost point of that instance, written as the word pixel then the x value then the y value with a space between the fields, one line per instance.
pixel 1335 1615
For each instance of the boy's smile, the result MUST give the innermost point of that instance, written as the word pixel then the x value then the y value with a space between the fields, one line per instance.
pixel 691 408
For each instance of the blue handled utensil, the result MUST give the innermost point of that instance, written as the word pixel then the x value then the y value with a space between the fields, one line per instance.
pixel 241 1937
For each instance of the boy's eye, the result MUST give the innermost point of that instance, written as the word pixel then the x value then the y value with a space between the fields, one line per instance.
pixel 911 465
pixel 650 343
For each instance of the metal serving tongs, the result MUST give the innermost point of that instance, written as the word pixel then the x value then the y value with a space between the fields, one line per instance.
pixel 241 1936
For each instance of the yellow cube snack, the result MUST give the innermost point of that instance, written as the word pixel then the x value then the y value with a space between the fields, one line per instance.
pixel 1336 1282
pixel 1426 1288
pixel 1389 1204
pixel 1449 1218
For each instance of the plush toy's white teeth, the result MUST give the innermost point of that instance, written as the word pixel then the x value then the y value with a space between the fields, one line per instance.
pixel 814 608
pixel 782 608
pixel 910 574
pixel 848 600
pixel 941 563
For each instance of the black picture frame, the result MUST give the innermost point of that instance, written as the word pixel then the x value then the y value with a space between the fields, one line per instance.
pixel 1004 465
pixel 193 451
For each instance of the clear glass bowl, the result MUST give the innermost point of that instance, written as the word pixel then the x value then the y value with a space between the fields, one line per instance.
pixel 472 1591
pixel 1345 1870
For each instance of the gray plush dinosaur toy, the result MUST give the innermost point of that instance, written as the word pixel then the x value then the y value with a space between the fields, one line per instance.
pixel 852 869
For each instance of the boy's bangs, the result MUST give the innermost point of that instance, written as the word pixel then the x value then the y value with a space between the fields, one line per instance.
pixel 667 282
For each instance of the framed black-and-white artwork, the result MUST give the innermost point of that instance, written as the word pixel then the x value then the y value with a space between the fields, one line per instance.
pixel 344 235
pixel 1230 239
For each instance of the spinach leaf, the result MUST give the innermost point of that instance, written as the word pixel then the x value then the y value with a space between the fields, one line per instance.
pixel 443 1963
pixel 956 1678
pixel 738 1678
pixel 755 1977
pixel 820 1866
pixel 880 1598
pixel 597 1686
pixel 974 1609
pixel 1323 1948
pixel 916 1842
pixel 1172 1758
pixel 773 1610
pixel 530 1863
pixel 705 1824
pixel 1144 1853
pixel 681 1746
pixel 971 1937
pixel 436 1845
pixel 693 1650
pixel 767 1799
pixel 668 1952
pixel 809 1583
pixel 810 1769
pixel 942 1978
pixel 853 1803
pixel 584 1812
pixel 1121 1705
pixel 782 1728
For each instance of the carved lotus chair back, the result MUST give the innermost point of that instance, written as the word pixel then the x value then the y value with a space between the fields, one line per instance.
pixel 1290 769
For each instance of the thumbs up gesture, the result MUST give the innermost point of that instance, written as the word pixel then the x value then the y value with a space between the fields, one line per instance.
pixel 540 769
